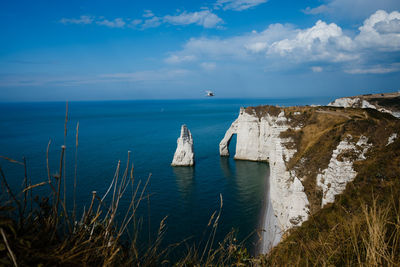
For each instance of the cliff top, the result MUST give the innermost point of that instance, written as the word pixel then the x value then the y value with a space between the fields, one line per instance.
pixel 316 131
pixel 330 234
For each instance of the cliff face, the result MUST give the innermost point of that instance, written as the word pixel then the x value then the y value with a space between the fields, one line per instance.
pixel 258 139
pixel 389 102
pixel 311 152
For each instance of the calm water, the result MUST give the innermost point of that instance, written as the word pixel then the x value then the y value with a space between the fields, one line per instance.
pixel 188 196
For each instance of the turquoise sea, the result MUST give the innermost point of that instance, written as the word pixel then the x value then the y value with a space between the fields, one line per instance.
pixel 149 129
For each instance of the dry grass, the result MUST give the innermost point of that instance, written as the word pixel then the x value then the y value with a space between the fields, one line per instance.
pixel 368 238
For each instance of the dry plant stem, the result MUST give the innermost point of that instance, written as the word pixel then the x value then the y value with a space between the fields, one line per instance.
pixel 25 193
pixel 9 191
pixel 12 160
pixel 59 183
pixel 8 247
pixel 210 240
pixel 47 162
pixel 30 187
pixel 65 143
pixel 90 208
pixel 76 170
pixel 63 204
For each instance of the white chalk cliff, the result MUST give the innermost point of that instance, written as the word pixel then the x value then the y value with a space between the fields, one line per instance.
pixel 184 155
pixel 358 102
pixel 259 139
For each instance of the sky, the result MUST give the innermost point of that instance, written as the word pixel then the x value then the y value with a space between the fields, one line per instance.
pixel 128 49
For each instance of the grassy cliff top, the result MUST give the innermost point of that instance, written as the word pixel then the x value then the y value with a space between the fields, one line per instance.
pixel 362 227
pixel 316 131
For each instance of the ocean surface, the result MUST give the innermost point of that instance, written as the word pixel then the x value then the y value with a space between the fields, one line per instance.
pixel 188 196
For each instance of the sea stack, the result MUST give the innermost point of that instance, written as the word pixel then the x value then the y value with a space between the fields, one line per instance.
pixel 184 155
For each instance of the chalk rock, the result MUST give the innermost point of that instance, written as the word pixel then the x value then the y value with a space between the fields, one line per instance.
pixel 340 172
pixel 258 139
pixel 184 155
pixel 358 102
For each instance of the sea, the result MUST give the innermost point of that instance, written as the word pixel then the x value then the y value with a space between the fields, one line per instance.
pixel 186 197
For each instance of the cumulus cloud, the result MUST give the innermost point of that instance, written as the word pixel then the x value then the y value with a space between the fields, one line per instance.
pixel 320 42
pixel 243 47
pixel 81 20
pixel 203 18
pixel 373 50
pixel 381 31
pixel 238 5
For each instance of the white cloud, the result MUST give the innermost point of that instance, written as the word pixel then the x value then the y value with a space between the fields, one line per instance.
pixel 320 42
pixel 151 23
pixel 208 65
pixel 241 47
pixel 317 69
pixel 352 9
pixel 148 14
pixel 257 47
pixel 381 31
pixel 116 23
pixel 174 59
pixel 146 76
pixel 284 46
pixel 238 5
pixel 316 10
pixel 81 20
pixel 377 69
pixel 135 22
pixel 203 18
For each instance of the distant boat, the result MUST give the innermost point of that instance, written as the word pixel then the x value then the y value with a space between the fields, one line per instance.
pixel 209 93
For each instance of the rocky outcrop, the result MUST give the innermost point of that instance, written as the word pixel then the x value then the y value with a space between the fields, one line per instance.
pixel 333 180
pixel 184 155
pixel 388 103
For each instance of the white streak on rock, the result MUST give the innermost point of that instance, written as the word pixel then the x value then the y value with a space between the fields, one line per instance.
pixel 391 138
pixel 333 180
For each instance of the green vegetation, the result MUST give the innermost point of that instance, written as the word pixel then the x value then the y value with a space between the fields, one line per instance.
pixel 362 227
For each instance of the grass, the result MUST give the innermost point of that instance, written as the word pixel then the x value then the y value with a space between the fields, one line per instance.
pixel 361 228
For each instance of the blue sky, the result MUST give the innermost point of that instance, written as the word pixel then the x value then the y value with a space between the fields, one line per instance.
pixel 107 50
